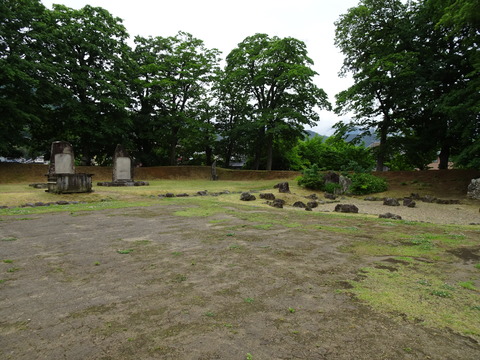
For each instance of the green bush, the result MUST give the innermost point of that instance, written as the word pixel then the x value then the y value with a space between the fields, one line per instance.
pixel 366 184
pixel 312 179
pixel 331 187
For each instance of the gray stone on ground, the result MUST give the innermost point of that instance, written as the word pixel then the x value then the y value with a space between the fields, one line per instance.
pixel 346 208
pixel 299 204
pixel 390 216
pixel 247 197
pixel 267 196
pixel 277 203
pixel 409 202
pixel 312 204
pixel 391 202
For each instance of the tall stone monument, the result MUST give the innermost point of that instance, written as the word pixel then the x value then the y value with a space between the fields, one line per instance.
pixel 122 170
pixel 61 171
pixel 122 166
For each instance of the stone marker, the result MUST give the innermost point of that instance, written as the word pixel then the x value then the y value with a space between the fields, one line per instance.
pixel 283 187
pixel 473 190
pixel 62 159
pixel 61 171
pixel 122 174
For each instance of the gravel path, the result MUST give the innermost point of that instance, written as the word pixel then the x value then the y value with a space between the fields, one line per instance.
pixel 466 213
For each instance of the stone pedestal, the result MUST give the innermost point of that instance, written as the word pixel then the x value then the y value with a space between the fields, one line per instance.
pixel 69 183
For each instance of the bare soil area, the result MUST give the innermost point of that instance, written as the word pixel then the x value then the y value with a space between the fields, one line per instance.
pixel 145 283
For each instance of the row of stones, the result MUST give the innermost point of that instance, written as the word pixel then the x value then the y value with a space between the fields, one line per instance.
pixel 39 204
pixel 410 200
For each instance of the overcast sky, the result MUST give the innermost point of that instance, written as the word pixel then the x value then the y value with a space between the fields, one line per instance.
pixel 223 24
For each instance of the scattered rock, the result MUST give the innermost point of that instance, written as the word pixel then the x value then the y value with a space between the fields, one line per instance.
pixel 390 216
pixel 247 197
pixel 62 202
pixel 308 208
pixel 182 195
pixel 312 204
pixel 40 204
pixel 428 199
pixel 283 187
pixel 202 193
pixel 277 203
pixel 373 198
pixel 267 196
pixel 346 208
pixel 169 195
pixel 415 196
pixel 3 207
pixel 447 202
pixel 391 202
pixel 312 197
pixel 299 204
pixel 330 196
pixel 473 190
pixel 409 202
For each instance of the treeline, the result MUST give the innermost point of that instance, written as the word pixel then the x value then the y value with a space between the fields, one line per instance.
pixel 70 75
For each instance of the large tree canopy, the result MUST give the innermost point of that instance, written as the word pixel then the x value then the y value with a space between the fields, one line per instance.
pixel 276 75
pixel 172 77
pixel 416 77
pixel 20 27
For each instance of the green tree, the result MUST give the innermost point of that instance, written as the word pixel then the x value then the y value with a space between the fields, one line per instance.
pixel 447 38
pixel 20 25
pixel 334 153
pixel 171 84
pixel 232 119
pixel 375 40
pixel 276 75
pixel 85 50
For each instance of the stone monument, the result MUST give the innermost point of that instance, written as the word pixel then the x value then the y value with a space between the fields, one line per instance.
pixel 122 170
pixel 61 171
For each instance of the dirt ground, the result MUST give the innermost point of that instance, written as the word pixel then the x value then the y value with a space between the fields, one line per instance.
pixel 145 283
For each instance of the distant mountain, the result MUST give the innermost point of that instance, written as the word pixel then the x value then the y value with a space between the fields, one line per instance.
pixel 312 134
pixel 367 139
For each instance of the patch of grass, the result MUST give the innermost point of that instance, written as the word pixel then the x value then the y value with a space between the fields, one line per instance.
pixel 249 300
pixel 467 285
pixel 428 300
pixel 7 261
pixel 477 266
pixel 125 251
pixel 9 238
pixel 179 278
pixel 209 314
pixel 13 269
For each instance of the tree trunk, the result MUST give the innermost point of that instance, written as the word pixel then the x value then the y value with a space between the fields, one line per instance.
pixel 382 149
pixel 269 145
pixel 173 147
pixel 443 157
pixel 208 154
